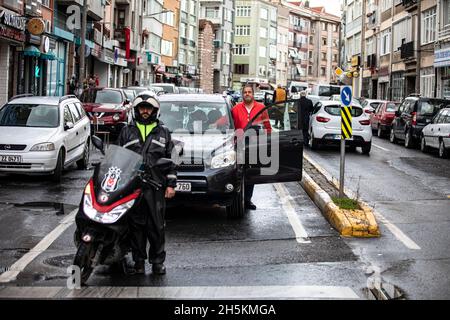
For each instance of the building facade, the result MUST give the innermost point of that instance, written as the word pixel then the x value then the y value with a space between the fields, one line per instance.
pixel 188 42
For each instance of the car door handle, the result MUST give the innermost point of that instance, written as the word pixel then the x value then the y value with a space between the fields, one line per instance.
pixel 77 133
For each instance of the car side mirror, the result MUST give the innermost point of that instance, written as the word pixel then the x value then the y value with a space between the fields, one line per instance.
pixel 98 143
pixel 68 126
pixel 126 102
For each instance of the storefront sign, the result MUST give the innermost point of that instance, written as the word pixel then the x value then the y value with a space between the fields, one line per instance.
pixel 13 21
pixel 36 26
pixel 12 34
pixel 442 58
pixel 45 45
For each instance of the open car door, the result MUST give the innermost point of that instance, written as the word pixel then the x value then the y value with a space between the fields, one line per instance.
pixel 276 154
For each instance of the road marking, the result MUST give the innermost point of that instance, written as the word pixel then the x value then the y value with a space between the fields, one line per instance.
pixel 43 245
pixel 204 292
pixel 377 146
pixel 399 234
pixel 288 207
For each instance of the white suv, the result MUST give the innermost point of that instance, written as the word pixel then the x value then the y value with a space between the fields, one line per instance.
pixel 43 135
pixel 325 126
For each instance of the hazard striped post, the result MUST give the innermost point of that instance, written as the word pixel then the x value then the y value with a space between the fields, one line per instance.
pixel 346 131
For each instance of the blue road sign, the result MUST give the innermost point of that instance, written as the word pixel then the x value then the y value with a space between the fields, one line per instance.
pixel 346 96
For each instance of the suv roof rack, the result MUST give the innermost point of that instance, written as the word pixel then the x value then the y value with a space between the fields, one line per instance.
pixel 70 96
pixel 25 95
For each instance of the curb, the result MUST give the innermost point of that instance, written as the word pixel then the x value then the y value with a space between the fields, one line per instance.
pixel 349 223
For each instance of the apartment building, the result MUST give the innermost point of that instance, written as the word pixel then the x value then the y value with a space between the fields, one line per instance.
pixel 442 49
pixel 168 71
pixel 220 14
pixel 188 41
pixel 255 50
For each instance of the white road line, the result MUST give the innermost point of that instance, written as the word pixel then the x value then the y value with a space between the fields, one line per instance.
pixel 399 234
pixel 196 293
pixel 377 146
pixel 43 245
pixel 288 207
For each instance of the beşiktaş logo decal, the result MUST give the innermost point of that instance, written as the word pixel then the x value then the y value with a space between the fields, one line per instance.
pixel 111 181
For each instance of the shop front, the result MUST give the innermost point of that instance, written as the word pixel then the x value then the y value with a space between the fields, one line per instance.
pixel 442 65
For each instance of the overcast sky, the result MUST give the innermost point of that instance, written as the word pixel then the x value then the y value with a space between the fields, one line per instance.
pixel 331 6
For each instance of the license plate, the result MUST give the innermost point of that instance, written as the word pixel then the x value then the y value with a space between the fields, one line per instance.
pixel 11 159
pixel 339 137
pixel 183 187
pixel 99 122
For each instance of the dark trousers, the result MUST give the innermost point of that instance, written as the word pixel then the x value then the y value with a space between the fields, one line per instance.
pixel 249 188
pixel 305 137
pixel 147 225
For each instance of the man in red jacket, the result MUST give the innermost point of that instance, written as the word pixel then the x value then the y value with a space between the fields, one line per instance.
pixel 243 113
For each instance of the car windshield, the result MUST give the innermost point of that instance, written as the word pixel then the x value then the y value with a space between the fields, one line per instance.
pixel 168 89
pixel 108 96
pixel 129 94
pixel 328 91
pixel 195 116
pixel 335 110
pixel 29 115
pixel 392 107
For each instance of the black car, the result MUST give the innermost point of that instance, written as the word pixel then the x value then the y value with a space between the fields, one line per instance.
pixel 412 116
pixel 211 168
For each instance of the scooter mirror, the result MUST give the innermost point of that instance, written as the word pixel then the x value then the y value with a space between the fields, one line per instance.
pixel 98 143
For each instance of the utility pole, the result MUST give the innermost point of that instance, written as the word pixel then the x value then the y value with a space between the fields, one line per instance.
pixel 83 44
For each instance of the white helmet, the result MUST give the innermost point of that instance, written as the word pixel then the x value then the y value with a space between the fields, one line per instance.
pixel 147 98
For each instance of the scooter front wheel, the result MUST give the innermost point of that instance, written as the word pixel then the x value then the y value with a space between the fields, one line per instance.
pixel 83 260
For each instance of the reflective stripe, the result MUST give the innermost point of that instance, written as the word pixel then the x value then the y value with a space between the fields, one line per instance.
pixel 158 143
pixel 171 176
pixel 131 143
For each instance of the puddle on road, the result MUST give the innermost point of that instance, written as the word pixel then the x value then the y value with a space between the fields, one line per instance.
pixel 44 207
pixel 385 291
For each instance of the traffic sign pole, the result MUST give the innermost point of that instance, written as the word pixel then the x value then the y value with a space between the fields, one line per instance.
pixel 342 170
pixel 346 132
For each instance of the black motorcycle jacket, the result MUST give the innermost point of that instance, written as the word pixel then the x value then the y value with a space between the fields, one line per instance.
pixel 157 145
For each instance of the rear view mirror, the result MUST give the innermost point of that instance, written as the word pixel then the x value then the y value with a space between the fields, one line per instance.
pixel 68 126
pixel 98 143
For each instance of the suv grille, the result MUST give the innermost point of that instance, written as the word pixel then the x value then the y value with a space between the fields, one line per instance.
pixel 191 165
pixel 12 147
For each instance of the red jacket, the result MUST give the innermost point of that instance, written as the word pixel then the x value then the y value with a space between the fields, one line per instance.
pixel 241 116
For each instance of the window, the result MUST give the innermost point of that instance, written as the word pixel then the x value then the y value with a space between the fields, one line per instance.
pixel 427 82
pixel 166 48
pixel 262 52
pixel 445 8
pixel 402 33
pixel 191 57
pixel 168 18
pixel 324 56
pixel 311 40
pixel 310 54
pixel 310 72
pixel 273 33
pixel 262 70
pixel 429 26
pixel 192 7
pixel 183 30
pixel 241 50
pixel 386 5
pixel 273 14
pixel 243 11
pixel 291 37
pixel 324 41
pixel 75 115
pixel 263 13
pixel 212 13
pixel 183 5
pixel 397 86
pixel 241 68
pixel 324 26
pixel 242 30
pixel 357 9
pixel 323 71
pixel 182 56
pixel 67 115
pixel 335 58
pixel 385 42
pixel 191 32
pixel 263 32
pixel 227 36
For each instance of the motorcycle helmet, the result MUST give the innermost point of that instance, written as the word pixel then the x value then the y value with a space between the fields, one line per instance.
pixel 146 98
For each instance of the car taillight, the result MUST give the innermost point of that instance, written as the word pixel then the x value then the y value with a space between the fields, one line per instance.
pixel 322 119
pixel 414 119
pixel 368 111
pixel 365 122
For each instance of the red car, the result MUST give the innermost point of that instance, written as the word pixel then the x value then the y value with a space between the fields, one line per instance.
pixel 381 119
pixel 107 108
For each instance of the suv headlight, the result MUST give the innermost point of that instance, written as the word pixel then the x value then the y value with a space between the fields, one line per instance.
pixel 224 160
pixel 48 146
pixel 116 117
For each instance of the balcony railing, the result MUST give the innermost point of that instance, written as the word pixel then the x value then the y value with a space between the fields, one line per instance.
pixel 444 32
pixel 410 4
pixel 407 50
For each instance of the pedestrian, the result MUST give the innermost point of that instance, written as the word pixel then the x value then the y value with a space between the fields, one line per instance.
pixel 305 109
pixel 73 84
pixel 279 97
pixel 146 136
pixel 97 81
pixel 243 113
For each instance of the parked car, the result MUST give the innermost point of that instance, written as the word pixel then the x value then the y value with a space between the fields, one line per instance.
pixel 412 116
pixel 43 135
pixel 209 171
pixel 381 119
pixel 436 135
pixel 139 90
pixel 371 105
pixel 130 94
pixel 183 90
pixel 167 87
pixel 107 108
pixel 264 96
pixel 325 126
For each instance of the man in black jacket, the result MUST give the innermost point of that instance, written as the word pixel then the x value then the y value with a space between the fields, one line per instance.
pixel 305 109
pixel 146 136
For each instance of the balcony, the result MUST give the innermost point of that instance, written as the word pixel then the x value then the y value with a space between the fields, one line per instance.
pixel 371 61
pixel 407 50
pixel 410 5
pixel 444 33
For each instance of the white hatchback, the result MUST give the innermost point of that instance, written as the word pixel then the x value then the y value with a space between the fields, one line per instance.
pixel 325 126
pixel 43 135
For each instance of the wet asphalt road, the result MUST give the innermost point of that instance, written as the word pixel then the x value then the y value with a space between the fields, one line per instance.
pixel 204 248
pixel 411 190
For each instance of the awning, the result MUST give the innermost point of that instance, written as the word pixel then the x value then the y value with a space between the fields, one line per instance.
pixel 31 51
pixel 48 56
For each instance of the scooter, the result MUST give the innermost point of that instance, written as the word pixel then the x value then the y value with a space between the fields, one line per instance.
pixel 113 191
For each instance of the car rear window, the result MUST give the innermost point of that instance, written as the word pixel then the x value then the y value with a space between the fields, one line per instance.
pixel 108 96
pixel 335 110
pixel 392 107
pixel 432 107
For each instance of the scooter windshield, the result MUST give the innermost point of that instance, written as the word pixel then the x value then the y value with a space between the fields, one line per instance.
pixel 118 170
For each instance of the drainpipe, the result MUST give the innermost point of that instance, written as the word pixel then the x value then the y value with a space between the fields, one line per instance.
pixel 419 42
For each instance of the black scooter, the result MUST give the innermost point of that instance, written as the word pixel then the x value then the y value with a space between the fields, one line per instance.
pixel 114 190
